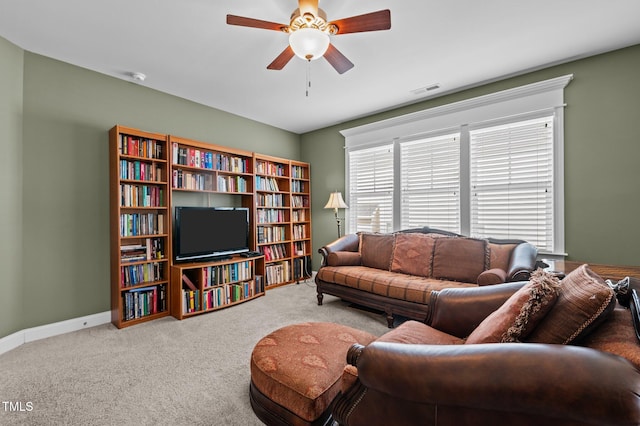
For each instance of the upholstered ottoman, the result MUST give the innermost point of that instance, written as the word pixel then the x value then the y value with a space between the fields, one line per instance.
pixel 295 371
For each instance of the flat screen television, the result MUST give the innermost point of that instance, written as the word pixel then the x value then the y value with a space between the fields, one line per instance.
pixel 202 233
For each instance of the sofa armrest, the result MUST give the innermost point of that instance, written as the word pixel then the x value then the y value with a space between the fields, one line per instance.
pixel 458 311
pixel 349 242
pixel 523 383
pixel 522 262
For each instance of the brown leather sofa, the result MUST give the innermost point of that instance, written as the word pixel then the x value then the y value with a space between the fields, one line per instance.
pixel 426 375
pixel 396 272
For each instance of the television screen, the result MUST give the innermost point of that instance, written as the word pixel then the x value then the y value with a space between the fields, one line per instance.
pixel 208 232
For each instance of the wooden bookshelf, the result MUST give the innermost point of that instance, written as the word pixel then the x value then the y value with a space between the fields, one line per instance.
pixel 140 226
pixel 283 218
pixel 202 167
pixel 201 287
pixel 301 220
pixel 275 190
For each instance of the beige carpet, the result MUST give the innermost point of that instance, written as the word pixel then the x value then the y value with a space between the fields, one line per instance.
pixel 165 372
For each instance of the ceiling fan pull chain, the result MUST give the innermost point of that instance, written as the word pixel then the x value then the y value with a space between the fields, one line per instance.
pixel 308 84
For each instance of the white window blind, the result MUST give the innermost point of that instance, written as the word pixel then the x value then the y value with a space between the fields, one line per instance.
pixel 371 189
pixel 511 168
pixel 430 183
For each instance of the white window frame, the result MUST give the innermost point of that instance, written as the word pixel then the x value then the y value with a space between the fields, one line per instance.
pixel 508 105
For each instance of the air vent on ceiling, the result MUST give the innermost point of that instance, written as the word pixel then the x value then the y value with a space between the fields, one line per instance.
pixel 426 89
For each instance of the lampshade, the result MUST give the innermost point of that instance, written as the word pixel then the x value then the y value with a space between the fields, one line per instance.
pixel 309 43
pixel 336 201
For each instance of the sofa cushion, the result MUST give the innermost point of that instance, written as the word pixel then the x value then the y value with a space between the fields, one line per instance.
pixel 459 259
pixel 500 255
pixel 417 333
pixel 520 314
pixel 376 250
pixel 410 288
pixel 412 254
pixel 616 335
pixel 344 258
pixel 492 276
pixel 585 301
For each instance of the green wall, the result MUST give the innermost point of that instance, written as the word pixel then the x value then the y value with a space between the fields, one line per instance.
pixel 65 206
pixel 11 188
pixel 54 119
pixel 602 152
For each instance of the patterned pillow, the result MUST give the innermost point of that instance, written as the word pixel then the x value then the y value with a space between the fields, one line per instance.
pixel 585 301
pixel 412 254
pixel 520 314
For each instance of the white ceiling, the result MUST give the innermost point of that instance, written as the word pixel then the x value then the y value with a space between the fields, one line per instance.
pixel 186 49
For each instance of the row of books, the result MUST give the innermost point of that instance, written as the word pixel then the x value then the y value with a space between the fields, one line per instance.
pixel 140 147
pixel 221 295
pixel 138 170
pixel 231 293
pixel 148 249
pixel 299 248
pixel 193 157
pixel 298 172
pixel 298 186
pixel 299 201
pixel 142 302
pixel 270 200
pixel 131 275
pixel 298 215
pixel 269 168
pixel 267 184
pixel 141 196
pixel 183 179
pixel 274 252
pixel 232 184
pixel 299 232
pixel 135 224
pixel 223 274
pixel 271 215
pixel 271 234
pixel 278 273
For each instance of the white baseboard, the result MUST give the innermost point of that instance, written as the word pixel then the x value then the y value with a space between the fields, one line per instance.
pixel 21 337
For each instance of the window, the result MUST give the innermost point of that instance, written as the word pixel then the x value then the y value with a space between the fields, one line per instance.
pixel 430 183
pixel 512 181
pixel 371 189
pixel 486 167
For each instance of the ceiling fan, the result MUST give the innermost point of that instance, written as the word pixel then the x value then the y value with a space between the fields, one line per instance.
pixel 309 33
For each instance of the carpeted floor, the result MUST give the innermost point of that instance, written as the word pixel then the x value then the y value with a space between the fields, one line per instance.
pixel 165 372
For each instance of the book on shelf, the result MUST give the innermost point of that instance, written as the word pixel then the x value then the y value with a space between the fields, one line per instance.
pixel 188 282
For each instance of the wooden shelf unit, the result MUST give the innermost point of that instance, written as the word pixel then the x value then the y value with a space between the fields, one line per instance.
pixel 275 190
pixel 200 287
pixel 202 167
pixel 140 226
pixel 283 219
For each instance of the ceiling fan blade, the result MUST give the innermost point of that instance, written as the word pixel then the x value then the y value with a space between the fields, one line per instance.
pixel 337 60
pixel 374 21
pixel 282 59
pixel 308 6
pixel 254 23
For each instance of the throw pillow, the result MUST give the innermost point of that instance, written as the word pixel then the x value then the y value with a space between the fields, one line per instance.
pixel 344 258
pixel 492 276
pixel 500 255
pixel 412 254
pixel 585 301
pixel 459 259
pixel 376 250
pixel 520 314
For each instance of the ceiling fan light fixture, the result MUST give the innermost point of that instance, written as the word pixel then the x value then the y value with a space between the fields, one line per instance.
pixel 309 43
